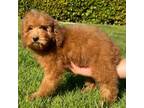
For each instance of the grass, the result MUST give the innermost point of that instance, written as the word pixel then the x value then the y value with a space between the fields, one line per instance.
pixel 68 94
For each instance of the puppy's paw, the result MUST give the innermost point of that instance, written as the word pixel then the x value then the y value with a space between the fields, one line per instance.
pixel 88 87
pixel 33 96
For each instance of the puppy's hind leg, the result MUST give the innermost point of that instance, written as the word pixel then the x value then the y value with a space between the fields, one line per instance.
pixel 107 79
pixel 89 85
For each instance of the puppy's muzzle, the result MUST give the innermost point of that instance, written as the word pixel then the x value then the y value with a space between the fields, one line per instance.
pixel 35 38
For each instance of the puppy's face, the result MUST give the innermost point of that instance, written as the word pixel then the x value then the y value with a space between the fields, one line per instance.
pixel 37 30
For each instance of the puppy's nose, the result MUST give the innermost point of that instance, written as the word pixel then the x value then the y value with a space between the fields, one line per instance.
pixel 35 38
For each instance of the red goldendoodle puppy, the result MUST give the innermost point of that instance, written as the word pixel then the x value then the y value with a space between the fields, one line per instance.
pixel 55 47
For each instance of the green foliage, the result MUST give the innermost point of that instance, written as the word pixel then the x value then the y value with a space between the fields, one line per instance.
pixel 89 11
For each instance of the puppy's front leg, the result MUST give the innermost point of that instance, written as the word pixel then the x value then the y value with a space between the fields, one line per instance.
pixel 47 87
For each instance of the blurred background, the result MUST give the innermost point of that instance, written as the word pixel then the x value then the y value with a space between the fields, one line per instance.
pixel 82 11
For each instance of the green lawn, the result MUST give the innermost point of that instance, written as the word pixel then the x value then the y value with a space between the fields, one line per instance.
pixel 68 94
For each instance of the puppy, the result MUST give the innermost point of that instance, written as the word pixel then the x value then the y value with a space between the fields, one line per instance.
pixel 55 47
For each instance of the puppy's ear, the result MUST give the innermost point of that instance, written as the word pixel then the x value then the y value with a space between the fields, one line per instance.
pixel 58 33
pixel 59 38
pixel 22 33
pixel 55 25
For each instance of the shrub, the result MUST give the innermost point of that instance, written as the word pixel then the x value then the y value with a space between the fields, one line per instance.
pixel 89 11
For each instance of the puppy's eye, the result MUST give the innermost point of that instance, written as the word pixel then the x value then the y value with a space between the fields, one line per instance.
pixel 30 28
pixel 43 27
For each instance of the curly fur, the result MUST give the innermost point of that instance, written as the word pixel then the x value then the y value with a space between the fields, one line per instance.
pixel 57 46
